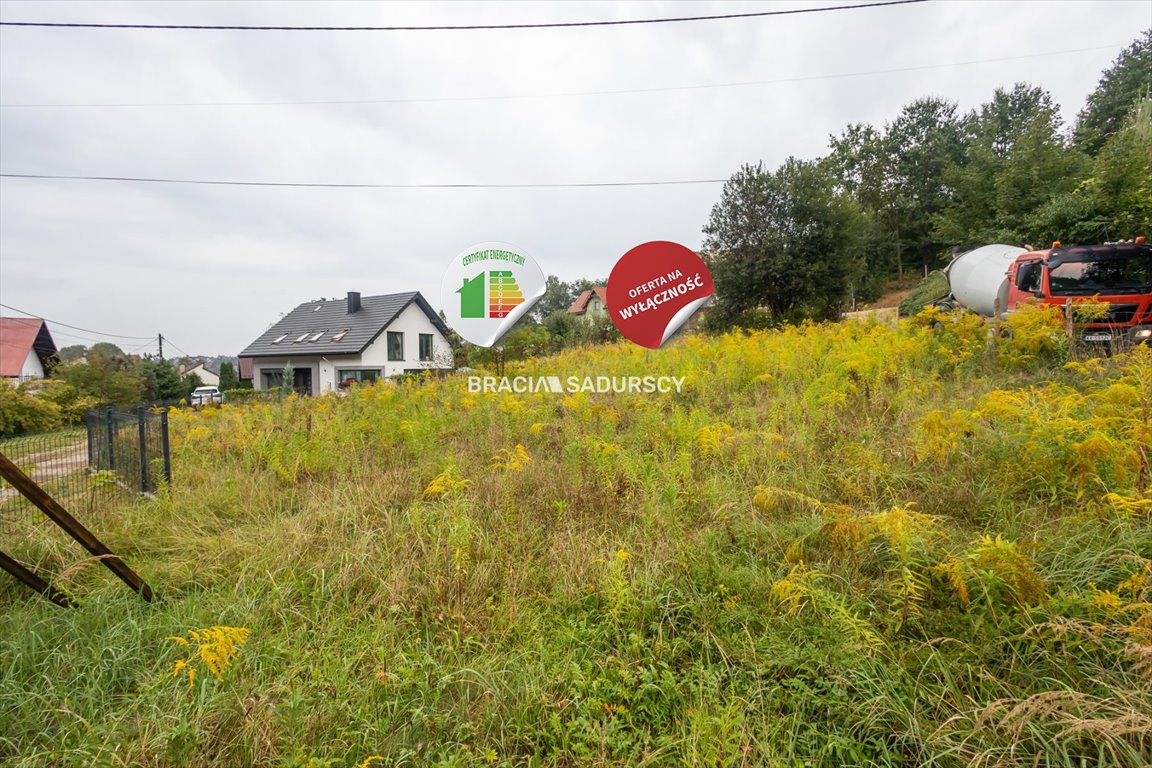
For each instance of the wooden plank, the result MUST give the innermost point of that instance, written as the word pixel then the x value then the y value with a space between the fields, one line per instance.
pixel 29 578
pixel 52 508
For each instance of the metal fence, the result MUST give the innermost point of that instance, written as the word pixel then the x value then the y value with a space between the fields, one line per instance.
pixel 116 455
pixel 58 462
pixel 49 482
pixel 132 445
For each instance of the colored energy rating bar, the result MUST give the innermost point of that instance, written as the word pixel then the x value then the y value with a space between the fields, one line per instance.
pixel 503 293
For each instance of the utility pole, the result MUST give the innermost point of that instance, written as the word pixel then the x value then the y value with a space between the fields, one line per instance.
pixel 160 339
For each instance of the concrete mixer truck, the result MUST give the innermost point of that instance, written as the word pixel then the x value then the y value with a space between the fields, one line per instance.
pixel 1001 278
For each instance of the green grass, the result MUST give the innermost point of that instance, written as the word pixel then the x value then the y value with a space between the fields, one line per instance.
pixel 624 598
pixel 43 440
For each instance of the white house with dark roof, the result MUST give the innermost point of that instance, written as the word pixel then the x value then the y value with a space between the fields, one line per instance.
pixel 208 377
pixel 323 345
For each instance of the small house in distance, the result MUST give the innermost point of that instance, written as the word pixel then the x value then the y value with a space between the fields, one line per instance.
pixel 201 371
pixel 323 345
pixel 591 305
pixel 27 350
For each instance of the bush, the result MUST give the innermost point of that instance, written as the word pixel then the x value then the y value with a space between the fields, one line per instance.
pixel 72 403
pixel 247 394
pixel 22 412
pixel 932 288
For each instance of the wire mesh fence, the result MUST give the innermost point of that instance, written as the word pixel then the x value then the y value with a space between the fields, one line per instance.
pixel 47 486
pixel 89 470
pixel 132 445
pixel 57 461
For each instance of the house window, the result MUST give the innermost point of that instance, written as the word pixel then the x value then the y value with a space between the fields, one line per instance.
pixel 395 345
pixel 302 337
pixel 345 377
pixel 279 339
pixel 340 335
pixel 272 379
pixel 425 347
pixel 316 336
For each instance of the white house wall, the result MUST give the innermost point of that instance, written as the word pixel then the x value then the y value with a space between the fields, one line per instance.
pixel 210 379
pixel 412 322
pixel 32 369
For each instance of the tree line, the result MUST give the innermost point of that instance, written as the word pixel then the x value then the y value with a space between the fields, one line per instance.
pixel 812 236
pixel 95 377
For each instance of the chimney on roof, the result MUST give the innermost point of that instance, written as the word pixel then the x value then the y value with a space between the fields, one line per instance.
pixel 353 302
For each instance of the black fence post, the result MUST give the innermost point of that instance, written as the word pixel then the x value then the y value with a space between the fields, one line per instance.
pixel 164 446
pixel 140 412
pixel 90 425
pixel 111 434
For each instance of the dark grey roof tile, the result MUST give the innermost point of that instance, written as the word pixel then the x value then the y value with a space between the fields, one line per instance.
pixel 331 317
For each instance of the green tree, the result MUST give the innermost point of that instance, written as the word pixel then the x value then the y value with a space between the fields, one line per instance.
pixel 526 339
pixel 563 328
pixel 73 404
pixel 455 343
pixel 107 348
pixel 228 378
pixel 558 296
pixel 1121 181
pixel 897 178
pixel 71 352
pixel 188 382
pixel 22 412
pixel 923 141
pixel 1115 201
pixel 1017 160
pixel 162 381
pixel 1128 80
pixel 859 162
pixel 783 242
pixel 107 376
pixel 584 284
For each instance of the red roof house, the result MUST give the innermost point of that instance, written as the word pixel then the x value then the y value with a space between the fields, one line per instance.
pixel 27 350
pixel 591 304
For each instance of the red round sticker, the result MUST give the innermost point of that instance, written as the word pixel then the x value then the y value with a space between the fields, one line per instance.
pixel 654 289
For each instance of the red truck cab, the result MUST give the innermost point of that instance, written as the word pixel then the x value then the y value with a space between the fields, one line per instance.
pixel 1120 274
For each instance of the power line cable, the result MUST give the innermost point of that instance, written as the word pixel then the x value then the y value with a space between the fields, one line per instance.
pixel 566 94
pixel 76 337
pixel 176 347
pixel 74 327
pixel 150 344
pixel 462 27
pixel 333 185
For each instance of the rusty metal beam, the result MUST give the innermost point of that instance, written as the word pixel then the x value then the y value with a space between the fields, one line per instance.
pixel 52 508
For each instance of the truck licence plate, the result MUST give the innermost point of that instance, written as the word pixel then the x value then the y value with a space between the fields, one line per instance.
pixel 1097 337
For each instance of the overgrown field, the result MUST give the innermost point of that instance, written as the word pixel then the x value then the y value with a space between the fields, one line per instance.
pixel 839 545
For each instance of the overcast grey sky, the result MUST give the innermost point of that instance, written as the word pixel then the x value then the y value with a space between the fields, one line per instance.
pixel 212 267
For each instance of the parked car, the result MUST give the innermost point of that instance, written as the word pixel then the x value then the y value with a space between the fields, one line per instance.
pixel 205 395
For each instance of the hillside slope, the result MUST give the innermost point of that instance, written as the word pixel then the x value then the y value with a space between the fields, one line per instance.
pixel 838 545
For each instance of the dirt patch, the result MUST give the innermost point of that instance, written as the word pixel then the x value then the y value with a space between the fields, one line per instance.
pixel 890 298
pixel 52 464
